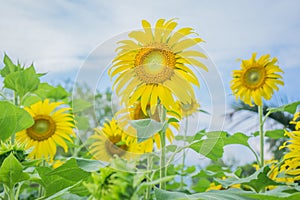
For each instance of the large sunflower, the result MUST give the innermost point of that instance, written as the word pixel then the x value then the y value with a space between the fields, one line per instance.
pixel 256 79
pixel 292 158
pixel 52 126
pixel 111 140
pixel 153 67
pixel 135 112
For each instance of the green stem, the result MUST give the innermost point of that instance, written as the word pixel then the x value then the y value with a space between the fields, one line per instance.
pixel 11 194
pixel 183 153
pixel 41 190
pixel 162 158
pixel 149 167
pixel 12 137
pixel 18 190
pixel 262 135
pixel 255 154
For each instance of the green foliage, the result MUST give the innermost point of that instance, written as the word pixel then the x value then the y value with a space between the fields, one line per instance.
pixel 230 194
pixel 146 128
pixel 212 146
pixel 22 81
pixel 290 108
pixel 257 181
pixel 53 183
pixel 11 172
pixel 13 119
pixel 70 171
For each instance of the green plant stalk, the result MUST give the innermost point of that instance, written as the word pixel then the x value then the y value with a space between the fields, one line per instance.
pixel 12 137
pixel 262 135
pixel 18 191
pixel 41 190
pixel 149 167
pixel 162 173
pixel 183 153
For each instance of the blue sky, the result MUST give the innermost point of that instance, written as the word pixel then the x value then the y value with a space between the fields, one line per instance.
pixel 60 37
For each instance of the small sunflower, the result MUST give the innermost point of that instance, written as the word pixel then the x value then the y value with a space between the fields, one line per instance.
pixel 153 67
pixel 111 140
pixel 135 112
pixel 189 109
pixel 52 126
pixel 292 158
pixel 256 79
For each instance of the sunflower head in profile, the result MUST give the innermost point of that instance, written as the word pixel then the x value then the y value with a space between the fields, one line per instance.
pixel 153 67
pixel 52 126
pixel 189 109
pixel 111 140
pixel 292 158
pixel 256 79
pixel 135 112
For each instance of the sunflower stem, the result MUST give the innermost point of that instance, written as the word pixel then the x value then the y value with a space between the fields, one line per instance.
pixel 11 194
pixel 262 135
pixel 149 167
pixel 12 138
pixel 41 190
pixel 183 153
pixel 163 159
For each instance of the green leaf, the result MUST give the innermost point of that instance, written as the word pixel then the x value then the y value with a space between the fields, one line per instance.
pixel 171 148
pixel 258 181
pixel 190 139
pixel 290 108
pixel 52 183
pixel 28 100
pixel 80 105
pixel 212 146
pixel 89 165
pixel 275 134
pixel 82 122
pixel 70 171
pixel 57 93
pixel 146 128
pixel 10 67
pixel 237 138
pixel 11 172
pixel 13 119
pixel 43 90
pixel 23 81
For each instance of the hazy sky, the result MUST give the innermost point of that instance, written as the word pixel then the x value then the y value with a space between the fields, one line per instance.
pixel 58 36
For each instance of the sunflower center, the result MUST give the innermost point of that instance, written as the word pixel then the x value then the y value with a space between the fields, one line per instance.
pixel 154 64
pixel 254 77
pixel 115 146
pixel 41 126
pixel 42 129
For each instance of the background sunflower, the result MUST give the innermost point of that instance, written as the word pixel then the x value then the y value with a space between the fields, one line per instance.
pixel 256 79
pixel 52 126
pixel 111 140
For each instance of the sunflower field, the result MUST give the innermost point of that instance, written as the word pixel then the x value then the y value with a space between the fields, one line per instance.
pixel 134 141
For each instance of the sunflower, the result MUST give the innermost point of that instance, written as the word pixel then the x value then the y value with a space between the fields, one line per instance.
pixel 111 140
pixel 189 109
pixel 135 112
pixel 276 172
pixel 256 79
pixel 292 158
pixel 52 126
pixel 153 67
